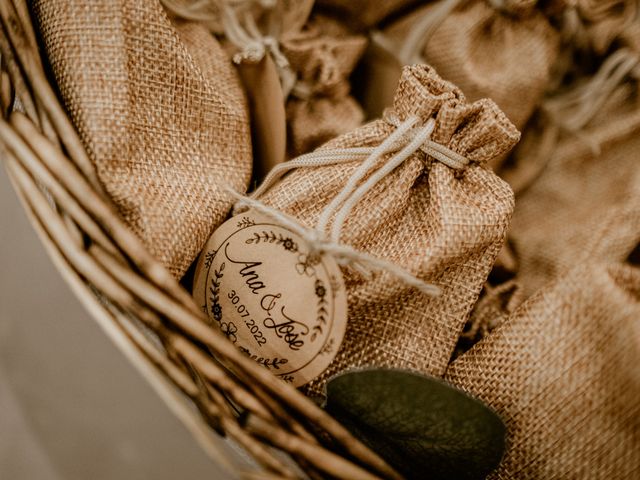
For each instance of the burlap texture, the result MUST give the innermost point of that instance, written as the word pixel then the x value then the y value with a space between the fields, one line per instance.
pixel 600 22
pixel 494 306
pixel 562 372
pixel 443 226
pixel 585 203
pixel 294 13
pixel 160 111
pixel 505 55
pixel 588 28
pixel 323 55
pixel 364 14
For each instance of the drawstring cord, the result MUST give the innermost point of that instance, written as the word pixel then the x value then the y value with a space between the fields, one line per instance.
pixel 245 34
pixel 574 110
pixel 408 138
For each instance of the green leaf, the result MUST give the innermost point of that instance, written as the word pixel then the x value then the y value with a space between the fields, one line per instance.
pixel 423 427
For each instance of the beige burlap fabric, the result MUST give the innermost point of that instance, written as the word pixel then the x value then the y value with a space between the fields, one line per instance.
pixel 442 225
pixel 210 13
pixel 588 28
pixel 364 14
pixel 160 111
pixel 562 372
pixel 595 24
pixel 314 55
pixel 494 306
pixel 505 54
pixel 583 206
pixel 320 108
pixel 585 202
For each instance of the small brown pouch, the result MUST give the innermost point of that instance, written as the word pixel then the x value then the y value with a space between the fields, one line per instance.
pixel 576 176
pixel 161 112
pixel 441 224
pixel 503 52
pixel 562 372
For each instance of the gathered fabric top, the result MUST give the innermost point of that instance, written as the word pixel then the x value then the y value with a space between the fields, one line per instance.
pixel 478 131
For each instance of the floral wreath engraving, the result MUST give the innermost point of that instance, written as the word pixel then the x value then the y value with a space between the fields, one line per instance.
pixel 274 362
pixel 306 265
pixel 327 348
pixel 271 237
pixel 321 319
pixel 287 378
pixel 246 222
pixel 208 258
pixel 228 328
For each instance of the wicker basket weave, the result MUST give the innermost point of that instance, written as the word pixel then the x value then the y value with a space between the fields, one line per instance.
pixel 144 310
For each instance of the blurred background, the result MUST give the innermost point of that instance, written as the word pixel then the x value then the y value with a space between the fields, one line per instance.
pixel 71 406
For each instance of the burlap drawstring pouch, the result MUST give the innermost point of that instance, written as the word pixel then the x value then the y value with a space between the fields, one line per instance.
pixel 312 56
pixel 429 208
pixel 593 25
pixel 320 106
pixel 576 176
pixel 562 374
pixel 364 14
pixel 314 62
pixel 588 30
pixel 161 112
pixel 495 304
pixel 498 50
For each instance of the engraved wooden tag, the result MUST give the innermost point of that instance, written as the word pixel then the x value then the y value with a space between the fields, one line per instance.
pixel 279 304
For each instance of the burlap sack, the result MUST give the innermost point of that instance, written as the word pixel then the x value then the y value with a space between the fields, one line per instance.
pixel 320 106
pixel 588 29
pixel 595 24
pixel 210 13
pixel 364 14
pixel 495 304
pixel 314 56
pixel 443 226
pixel 505 54
pixel 160 111
pixel 562 372
pixel 585 201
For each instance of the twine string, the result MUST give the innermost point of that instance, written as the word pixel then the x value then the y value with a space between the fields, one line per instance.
pixel 407 138
pixel 419 137
pixel 572 111
pixel 361 171
pixel 411 50
pixel 253 45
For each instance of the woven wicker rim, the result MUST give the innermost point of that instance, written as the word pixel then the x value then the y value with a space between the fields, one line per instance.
pixel 143 309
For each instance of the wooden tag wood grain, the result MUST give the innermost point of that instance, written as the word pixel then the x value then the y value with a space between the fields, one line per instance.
pixel 279 303
pixel 268 117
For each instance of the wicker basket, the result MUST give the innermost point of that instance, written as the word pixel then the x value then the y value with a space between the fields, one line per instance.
pixel 206 381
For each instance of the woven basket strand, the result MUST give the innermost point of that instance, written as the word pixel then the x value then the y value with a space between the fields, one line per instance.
pixel 149 316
